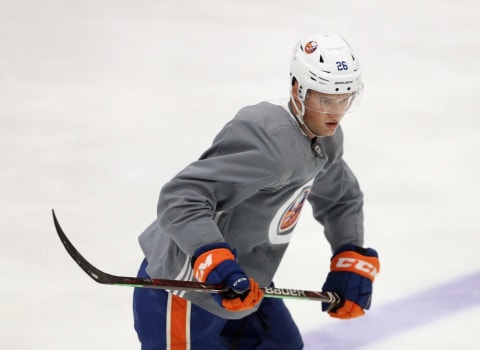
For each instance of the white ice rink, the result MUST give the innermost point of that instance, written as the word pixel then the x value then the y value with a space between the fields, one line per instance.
pixel 103 101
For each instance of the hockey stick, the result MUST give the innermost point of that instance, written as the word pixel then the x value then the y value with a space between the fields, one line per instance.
pixel 105 278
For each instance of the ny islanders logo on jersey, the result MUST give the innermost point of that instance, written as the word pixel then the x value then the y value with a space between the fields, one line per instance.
pixel 292 214
pixel 287 216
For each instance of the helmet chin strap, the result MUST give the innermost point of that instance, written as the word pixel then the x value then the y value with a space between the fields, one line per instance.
pixel 299 115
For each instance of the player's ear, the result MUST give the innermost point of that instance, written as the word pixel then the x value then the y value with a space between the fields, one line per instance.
pixel 295 89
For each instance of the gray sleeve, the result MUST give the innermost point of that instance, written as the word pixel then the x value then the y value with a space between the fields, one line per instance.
pixel 337 203
pixel 241 160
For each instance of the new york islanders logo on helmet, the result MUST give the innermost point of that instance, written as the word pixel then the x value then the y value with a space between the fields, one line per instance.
pixel 311 47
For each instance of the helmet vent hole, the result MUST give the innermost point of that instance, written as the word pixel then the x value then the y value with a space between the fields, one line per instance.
pixel 321 59
pixel 336 89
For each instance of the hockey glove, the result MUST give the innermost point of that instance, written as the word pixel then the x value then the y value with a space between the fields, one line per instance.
pixel 216 264
pixel 352 272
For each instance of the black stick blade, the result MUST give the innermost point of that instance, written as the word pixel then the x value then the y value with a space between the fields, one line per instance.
pixel 105 278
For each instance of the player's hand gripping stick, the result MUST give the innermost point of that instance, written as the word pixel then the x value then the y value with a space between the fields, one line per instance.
pixel 352 272
pixel 216 264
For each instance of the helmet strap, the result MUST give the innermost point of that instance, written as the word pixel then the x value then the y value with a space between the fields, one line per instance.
pixel 299 115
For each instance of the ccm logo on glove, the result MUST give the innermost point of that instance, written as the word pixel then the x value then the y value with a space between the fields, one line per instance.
pixel 349 261
pixel 205 264
pixel 204 268
pixel 352 272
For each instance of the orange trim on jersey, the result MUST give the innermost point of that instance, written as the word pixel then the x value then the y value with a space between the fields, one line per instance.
pixel 209 260
pixel 367 266
pixel 178 323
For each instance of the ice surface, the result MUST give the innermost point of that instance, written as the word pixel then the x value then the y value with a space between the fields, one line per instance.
pixel 101 102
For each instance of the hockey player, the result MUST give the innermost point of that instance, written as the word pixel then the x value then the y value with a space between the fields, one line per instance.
pixel 227 218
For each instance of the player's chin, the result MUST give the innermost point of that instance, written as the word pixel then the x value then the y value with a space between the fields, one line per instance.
pixel 327 132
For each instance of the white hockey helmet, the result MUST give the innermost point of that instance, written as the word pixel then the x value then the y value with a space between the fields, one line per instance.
pixel 325 62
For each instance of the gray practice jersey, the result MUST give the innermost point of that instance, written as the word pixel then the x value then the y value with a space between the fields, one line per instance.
pixel 248 190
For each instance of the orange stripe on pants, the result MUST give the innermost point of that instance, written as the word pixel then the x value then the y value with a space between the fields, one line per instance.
pixel 178 323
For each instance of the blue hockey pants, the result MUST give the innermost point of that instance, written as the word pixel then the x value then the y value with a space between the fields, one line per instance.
pixel 166 321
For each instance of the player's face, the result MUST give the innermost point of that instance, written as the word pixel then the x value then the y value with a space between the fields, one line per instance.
pixel 323 112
